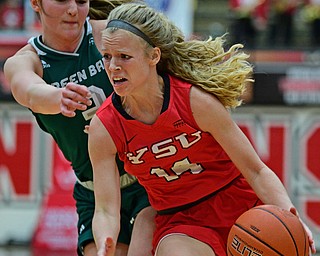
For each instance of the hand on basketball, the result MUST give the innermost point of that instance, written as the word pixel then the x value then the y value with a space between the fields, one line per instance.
pixel 74 97
pixel 308 231
pixel 109 248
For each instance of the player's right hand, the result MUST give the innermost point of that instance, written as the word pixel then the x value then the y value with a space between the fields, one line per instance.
pixel 74 97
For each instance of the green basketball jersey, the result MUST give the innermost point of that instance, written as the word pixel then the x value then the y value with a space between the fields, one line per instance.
pixel 85 67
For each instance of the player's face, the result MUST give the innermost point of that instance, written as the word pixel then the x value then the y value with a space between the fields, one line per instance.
pixel 64 18
pixel 127 61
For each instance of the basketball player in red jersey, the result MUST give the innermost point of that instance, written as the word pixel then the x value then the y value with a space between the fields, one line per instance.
pixel 59 76
pixel 168 120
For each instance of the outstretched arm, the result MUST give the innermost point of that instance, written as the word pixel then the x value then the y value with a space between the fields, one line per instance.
pixel 106 220
pixel 24 73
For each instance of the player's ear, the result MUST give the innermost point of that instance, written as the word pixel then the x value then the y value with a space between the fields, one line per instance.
pixel 35 4
pixel 155 55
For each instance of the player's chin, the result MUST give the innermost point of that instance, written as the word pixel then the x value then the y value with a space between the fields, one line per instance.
pixel 121 89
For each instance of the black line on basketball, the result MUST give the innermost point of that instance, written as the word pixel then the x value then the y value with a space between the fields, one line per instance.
pixel 294 241
pixel 263 242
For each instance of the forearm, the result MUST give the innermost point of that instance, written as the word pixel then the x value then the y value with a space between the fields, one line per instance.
pixel 39 97
pixel 24 73
pixel 105 226
pixel 44 99
pixel 270 189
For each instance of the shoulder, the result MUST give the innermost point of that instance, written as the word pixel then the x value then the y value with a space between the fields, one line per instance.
pixel 202 99
pixel 26 51
pixel 98 137
pixel 177 82
pixel 199 97
pixel 95 124
pixel 25 56
pixel 98 24
pixel 206 108
pixel 97 27
pixel 98 132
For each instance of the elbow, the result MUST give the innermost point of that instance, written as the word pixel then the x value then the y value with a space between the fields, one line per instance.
pixel 22 98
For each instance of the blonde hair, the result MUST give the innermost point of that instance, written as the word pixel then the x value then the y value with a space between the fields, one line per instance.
pixel 100 9
pixel 206 64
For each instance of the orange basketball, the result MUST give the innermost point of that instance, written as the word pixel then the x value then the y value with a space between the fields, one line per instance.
pixel 267 230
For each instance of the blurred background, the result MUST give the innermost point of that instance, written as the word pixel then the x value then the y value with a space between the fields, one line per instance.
pixel 280 115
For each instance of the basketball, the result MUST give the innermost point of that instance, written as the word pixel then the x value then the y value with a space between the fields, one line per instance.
pixel 267 230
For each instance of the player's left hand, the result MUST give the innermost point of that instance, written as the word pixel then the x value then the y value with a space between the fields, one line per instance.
pixel 308 231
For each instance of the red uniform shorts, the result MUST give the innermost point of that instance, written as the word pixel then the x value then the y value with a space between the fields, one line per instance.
pixel 209 221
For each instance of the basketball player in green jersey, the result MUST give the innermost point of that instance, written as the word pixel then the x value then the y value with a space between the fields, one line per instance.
pixel 60 77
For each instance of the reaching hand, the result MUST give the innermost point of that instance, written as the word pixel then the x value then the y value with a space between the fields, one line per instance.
pixel 308 231
pixel 74 96
pixel 109 248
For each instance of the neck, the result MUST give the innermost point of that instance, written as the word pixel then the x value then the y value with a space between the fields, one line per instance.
pixel 62 44
pixel 146 107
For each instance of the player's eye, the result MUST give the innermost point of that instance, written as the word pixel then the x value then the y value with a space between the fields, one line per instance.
pixel 124 56
pixel 107 56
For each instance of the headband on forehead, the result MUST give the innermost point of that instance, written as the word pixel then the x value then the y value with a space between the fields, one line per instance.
pixel 127 26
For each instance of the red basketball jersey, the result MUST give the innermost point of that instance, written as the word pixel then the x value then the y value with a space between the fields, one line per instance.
pixel 173 159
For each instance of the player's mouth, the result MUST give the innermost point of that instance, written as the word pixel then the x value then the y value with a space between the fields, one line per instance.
pixel 118 80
